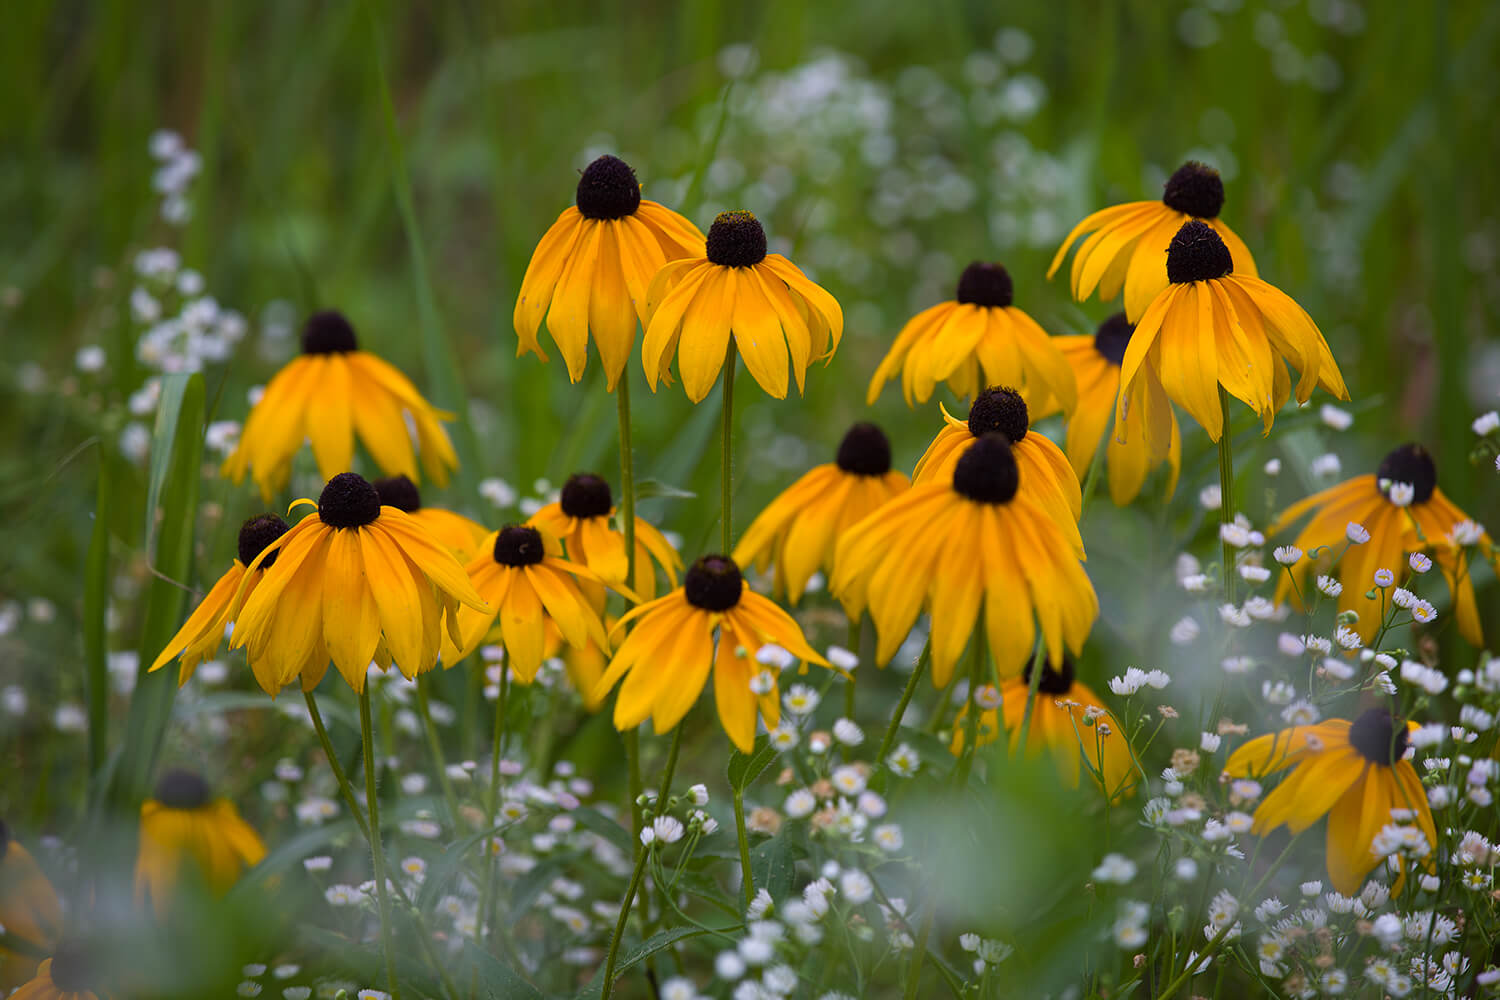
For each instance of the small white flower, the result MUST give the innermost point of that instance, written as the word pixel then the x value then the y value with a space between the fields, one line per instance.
pixel 772 655
pixel 800 700
pixel 1286 554
pixel 871 804
pixel 1329 586
pixel 1116 869
pixel 698 795
pixel 1466 533
pixel 1357 533
pixel 1311 889
pixel 1326 465
pixel 759 906
pixel 987 697
pixel 668 829
pixel 1184 631
pixel 800 803
pixel 1384 578
pixel 1403 598
pixel 1486 423
pixel 1255 574
pixel 848 779
pixel 729 966
pixel 1185 869
pixel 1272 467
pixel 341 894
pixel 762 683
pixel 848 733
pixel 1419 562
pixel 1332 416
pixel 842 658
pixel 1211 498
pixel 888 837
pixel 785 736
pixel 1209 742
pixel 1401 494
pixel 679 988
pixel 904 761
pixel 856 886
pixel 1348 638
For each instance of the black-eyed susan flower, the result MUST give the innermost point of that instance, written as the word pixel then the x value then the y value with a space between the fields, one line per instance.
pixel 712 622
pixel 187 834
pixel 354 582
pixel 525 586
pixel 1214 327
pixel 978 543
pixel 733 288
pixel 29 911
pixel 1049 479
pixel 978 339
pixel 331 394
pixel 1068 722
pixel 590 272
pixel 1128 247
pixel 1355 773
pixel 800 529
pixel 1404 511
pixel 1150 434
pixel 200 635
pixel 583 518
pixel 459 534
pixel 71 973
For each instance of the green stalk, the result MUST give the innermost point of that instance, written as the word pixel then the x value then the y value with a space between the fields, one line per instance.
pixel 906 696
pixel 727 449
pixel 854 637
pixel 747 880
pixel 641 856
pixel 1226 495
pixel 493 802
pixel 914 971
pixel 377 851
pixel 631 738
pixel 978 660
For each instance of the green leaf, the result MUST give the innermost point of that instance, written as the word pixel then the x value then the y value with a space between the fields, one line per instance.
pixel 493 977
pixel 95 606
pixel 176 468
pixel 773 865
pixel 743 768
pixel 365 964
pixel 601 824
pixel 647 948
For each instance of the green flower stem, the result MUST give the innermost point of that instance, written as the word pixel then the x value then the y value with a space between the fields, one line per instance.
pixel 906 696
pixel 919 952
pixel 978 662
pixel 1226 495
pixel 630 737
pixel 854 637
pixel 747 880
pixel 492 802
pixel 642 855
pixel 727 450
pixel 377 851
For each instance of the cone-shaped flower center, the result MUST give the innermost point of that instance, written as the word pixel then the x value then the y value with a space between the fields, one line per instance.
pixel 181 789
pixel 1411 464
pixel 1379 737
pixel 1056 682
pixel 1197 253
pixel 987 472
pixel 999 410
pixel 713 583
pixel 1195 190
pixel 585 495
pixel 984 284
pixel 73 968
pixel 865 451
pixel 1112 337
pixel 399 492
pixel 519 545
pixel 608 189
pixel 328 332
pixel 348 501
pixel 256 534
pixel 736 239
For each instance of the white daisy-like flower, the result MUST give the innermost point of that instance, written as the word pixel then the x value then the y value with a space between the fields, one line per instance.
pixel 1329 586
pixel 904 761
pixel 341 894
pixel 1401 494
pixel 987 697
pixel 1419 562
pixel 888 837
pixel 1272 467
pixel 1116 869
pixel 1357 533
pixel 842 658
pixel 800 804
pixel 1255 574
pixel 1486 423
pixel 847 732
pixel 668 829
pixel 1286 554
pixel 856 886
pixel 800 699
pixel 1384 578
pixel 848 779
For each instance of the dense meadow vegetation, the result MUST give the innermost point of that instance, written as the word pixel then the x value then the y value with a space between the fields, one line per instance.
pixel 821 569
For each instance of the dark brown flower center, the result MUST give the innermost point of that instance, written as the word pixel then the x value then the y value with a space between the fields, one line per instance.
pixel 585 495
pixel 1054 682
pixel 865 451
pixel 986 472
pixel 73 968
pixel 257 533
pixel 1195 190
pixel 328 332
pixel 1379 737
pixel 999 410
pixel 1113 337
pixel 182 789
pixel 519 545
pixel 608 189
pixel 1197 253
pixel 984 284
pixel 1410 464
pixel 399 492
pixel 713 583
pixel 736 239
pixel 348 501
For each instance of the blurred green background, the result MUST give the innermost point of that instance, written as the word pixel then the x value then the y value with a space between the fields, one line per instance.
pixel 400 161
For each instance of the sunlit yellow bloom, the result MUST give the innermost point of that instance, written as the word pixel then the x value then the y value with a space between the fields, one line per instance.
pixel 329 395
pixel 950 546
pixel 800 529
pixel 1068 722
pixel 666 658
pixel 524 586
pixel 458 534
pixel 1354 773
pixel 978 339
pixel 354 582
pixel 1427 521
pixel 733 287
pixel 1150 435
pixel 1129 245
pixel 200 635
pixel 583 518
pixel 29 911
pixel 1044 469
pixel 70 974
pixel 590 272
pixel 1212 327
pixel 584 664
pixel 187 835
